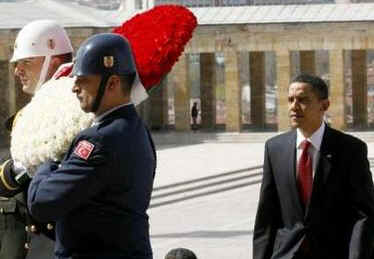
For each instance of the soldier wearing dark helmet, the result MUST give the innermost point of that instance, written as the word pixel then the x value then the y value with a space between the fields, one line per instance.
pixel 99 194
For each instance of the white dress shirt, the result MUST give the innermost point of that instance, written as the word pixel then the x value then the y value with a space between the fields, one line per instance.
pixel 314 148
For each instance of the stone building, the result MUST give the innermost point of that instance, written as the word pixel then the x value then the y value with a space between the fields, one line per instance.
pixel 238 64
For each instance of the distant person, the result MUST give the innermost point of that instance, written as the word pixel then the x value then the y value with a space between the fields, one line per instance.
pixel 194 114
pixel 317 193
pixel 180 253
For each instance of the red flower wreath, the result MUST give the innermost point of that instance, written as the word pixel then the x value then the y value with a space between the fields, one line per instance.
pixel 157 38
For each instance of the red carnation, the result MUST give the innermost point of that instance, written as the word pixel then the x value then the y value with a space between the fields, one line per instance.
pixel 157 38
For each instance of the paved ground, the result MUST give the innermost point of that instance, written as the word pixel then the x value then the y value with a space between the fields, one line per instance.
pixel 211 210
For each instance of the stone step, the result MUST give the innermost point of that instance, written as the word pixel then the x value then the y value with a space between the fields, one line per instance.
pixel 182 191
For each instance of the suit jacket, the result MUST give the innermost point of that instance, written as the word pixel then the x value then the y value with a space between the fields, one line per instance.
pixel 337 223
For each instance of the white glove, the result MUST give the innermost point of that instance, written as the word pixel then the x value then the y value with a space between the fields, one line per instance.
pixel 18 167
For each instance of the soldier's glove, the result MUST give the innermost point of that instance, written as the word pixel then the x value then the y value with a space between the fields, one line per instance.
pixel 21 174
pixel 13 178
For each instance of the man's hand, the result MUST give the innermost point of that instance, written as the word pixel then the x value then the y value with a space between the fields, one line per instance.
pixel 13 178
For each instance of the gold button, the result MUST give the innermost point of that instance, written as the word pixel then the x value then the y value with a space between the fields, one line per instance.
pixel 33 228
pixel 49 226
pixel 27 228
pixel 27 246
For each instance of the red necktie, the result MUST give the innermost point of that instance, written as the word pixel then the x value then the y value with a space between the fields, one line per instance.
pixel 305 178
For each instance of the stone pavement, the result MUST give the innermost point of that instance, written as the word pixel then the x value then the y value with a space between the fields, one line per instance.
pixel 205 198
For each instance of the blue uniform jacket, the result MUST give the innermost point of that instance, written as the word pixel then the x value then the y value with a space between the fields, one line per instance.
pixel 100 192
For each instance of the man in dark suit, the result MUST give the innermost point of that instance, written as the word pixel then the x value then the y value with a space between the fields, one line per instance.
pixel 317 196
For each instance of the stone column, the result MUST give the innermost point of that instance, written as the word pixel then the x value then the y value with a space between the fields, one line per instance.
pixel 308 62
pixel 283 82
pixel 159 106
pixel 336 111
pixel 4 100
pixel 150 4
pixel 182 94
pixel 359 89
pixel 257 84
pixel 143 110
pixel 208 90
pixel 232 91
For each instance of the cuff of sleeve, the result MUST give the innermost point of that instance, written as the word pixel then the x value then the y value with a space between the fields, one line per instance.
pixel 7 177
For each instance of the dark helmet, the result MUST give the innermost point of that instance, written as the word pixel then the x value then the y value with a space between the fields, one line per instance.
pixel 104 53
pixel 180 253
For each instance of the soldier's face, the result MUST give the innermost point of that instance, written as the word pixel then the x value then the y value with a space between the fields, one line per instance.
pixel 28 71
pixel 86 88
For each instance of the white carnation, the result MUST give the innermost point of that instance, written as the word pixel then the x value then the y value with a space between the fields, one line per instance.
pixel 48 124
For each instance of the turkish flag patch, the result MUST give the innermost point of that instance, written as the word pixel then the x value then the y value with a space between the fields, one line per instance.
pixel 84 149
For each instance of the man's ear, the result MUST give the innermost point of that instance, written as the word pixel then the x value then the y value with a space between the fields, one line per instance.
pixel 113 82
pixel 325 105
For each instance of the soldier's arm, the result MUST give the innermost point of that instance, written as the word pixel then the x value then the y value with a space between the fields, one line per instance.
pixel 56 190
pixel 12 181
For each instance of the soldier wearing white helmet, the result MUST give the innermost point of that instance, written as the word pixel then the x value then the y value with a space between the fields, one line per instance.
pixel 40 49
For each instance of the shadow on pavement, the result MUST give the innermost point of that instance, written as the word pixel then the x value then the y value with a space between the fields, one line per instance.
pixel 206 234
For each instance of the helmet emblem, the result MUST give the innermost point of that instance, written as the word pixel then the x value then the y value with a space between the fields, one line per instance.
pixel 108 61
pixel 51 44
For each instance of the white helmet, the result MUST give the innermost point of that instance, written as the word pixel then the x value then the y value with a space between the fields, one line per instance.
pixel 41 38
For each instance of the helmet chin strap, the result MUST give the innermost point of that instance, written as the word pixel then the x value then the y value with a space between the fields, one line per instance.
pixel 43 72
pixel 100 92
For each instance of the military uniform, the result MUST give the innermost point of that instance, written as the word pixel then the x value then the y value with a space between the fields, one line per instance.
pixel 12 228
pixel 19 232
pixel 16 225
pixel 98 195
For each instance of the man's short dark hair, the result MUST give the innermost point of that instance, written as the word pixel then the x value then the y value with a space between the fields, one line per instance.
pixel 319 86
pixel 65 58
pixel 180 253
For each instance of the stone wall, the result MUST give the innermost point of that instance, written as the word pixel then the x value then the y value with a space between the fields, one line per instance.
pixel 280 39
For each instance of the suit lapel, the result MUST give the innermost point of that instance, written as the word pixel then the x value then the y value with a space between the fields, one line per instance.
pixel 291 169
pixel 323 167
pixel 326 154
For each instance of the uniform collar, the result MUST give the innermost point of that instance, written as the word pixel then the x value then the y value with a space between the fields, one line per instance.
pixel 101 117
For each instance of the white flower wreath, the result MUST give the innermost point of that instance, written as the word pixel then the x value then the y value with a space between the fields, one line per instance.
pixel 48 124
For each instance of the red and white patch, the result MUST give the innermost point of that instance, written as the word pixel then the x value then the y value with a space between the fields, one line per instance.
pixel 84 149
